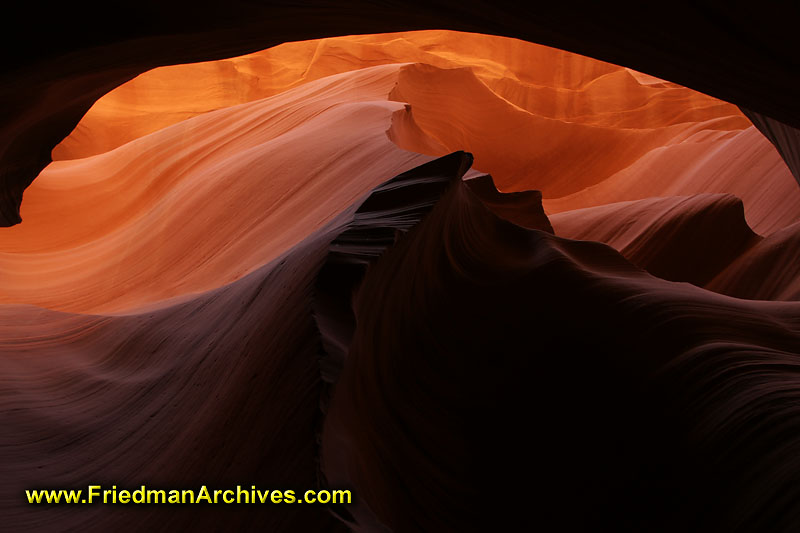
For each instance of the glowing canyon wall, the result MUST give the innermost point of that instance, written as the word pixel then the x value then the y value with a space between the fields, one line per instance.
pixel 432 266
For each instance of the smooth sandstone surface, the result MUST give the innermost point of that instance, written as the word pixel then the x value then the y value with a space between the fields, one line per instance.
pixel 279 269
pixel 245 148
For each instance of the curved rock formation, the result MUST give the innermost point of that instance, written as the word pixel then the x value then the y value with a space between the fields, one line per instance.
pixel 785 138
pixel 285 274
pixel 66 61
pixel 243 176
pixel 678 238
pixel 527 378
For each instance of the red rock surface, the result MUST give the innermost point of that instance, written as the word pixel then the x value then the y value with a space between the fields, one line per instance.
pixel 218 281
